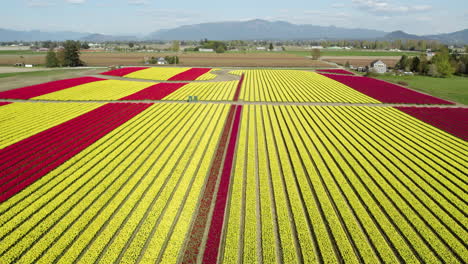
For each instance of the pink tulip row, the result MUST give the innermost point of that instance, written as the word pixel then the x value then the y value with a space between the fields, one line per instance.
pixel 189 75
pixel 339 71
pixel 155 92
pixel 451 120
pixel 36 156
pixel 45 88
pixel 214 235
pixel 123 71
pixel 384 91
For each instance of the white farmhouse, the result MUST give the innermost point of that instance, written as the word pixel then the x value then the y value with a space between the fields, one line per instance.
pixel 162 61
pixel 378 66
pixel 205 50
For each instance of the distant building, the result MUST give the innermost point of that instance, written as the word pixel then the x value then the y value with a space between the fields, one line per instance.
pixel 378 66
pixel 162 61
pixel 206 50
pixel 261 48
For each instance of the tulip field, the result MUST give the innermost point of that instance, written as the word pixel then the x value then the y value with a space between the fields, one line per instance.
pixel 338 71
pixel 164 73
pixel 280 166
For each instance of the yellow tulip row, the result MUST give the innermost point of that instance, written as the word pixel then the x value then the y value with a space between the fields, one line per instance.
pixel 345 183
pixel 19 121
pixel 296 86
pixel 157 73
pixel 101 90
pixel 208 76
pixel 116 89
pixel 128 197
pixel 165 73
pixel 205 91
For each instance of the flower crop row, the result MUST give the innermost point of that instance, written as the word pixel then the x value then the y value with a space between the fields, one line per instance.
pixel 452 120
pixel 384 91
pixel 164 73
pixel 355 184
pixel 123 71
pixel 205 91
pixel 58 144
pixel 338 71
pixel 45 88
pixel 155 92
pixel 192 74
pixel 103 90
pixel 20 121
pixel 128 197
pixel 296 86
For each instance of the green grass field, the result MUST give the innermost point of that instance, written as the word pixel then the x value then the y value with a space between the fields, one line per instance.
pixel 354 53
pixel 453 89
pixel 34 73
pixel 20 52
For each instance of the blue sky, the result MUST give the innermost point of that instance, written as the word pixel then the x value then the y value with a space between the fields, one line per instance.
pixel 139 17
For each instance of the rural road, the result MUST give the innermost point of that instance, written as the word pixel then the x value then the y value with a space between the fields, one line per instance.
pixel 234 103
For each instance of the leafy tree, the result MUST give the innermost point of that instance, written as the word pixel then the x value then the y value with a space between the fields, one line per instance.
pixel 85 45
pixel 51 59
pixel 442 62
pixel 72 54
pixel 220 49
pixel 415 64
pixel 131 45
pixel 60 57
pixel 271 47
pixel 175 45
pixel 315 54
pixel 404 63
pixel 172 59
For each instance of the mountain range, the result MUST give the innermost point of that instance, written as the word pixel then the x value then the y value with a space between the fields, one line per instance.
pixel 256 29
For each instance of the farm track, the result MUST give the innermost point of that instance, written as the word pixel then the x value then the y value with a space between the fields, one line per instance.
pixel 234 103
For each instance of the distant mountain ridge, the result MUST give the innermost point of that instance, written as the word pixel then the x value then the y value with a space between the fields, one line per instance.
pixel 256 29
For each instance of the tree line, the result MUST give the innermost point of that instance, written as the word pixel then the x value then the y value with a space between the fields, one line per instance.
pixel 66 56
pixel 443 64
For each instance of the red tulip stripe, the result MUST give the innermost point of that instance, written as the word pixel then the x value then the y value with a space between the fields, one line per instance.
pixel 45 88
pixel 384 91
pixel 24 162
pixel 155 92
pixel 239 86
pixel 217 220
pixel 124 71
pixel 201 219
pixel 339 71
pixel 451 120
pixel 189 75
pixel 4 103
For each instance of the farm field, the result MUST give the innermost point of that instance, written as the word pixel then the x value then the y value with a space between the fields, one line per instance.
pixel 454 88
pixel 186 59
pixel 164 73
pixel 280 166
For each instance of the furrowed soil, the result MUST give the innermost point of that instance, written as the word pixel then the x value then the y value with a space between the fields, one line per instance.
pixel 186 59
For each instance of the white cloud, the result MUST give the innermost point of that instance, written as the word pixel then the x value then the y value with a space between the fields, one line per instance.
pixel 338 5
pixel 138 2
pixel 379 6
pixel 39 3
pixel 76 1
